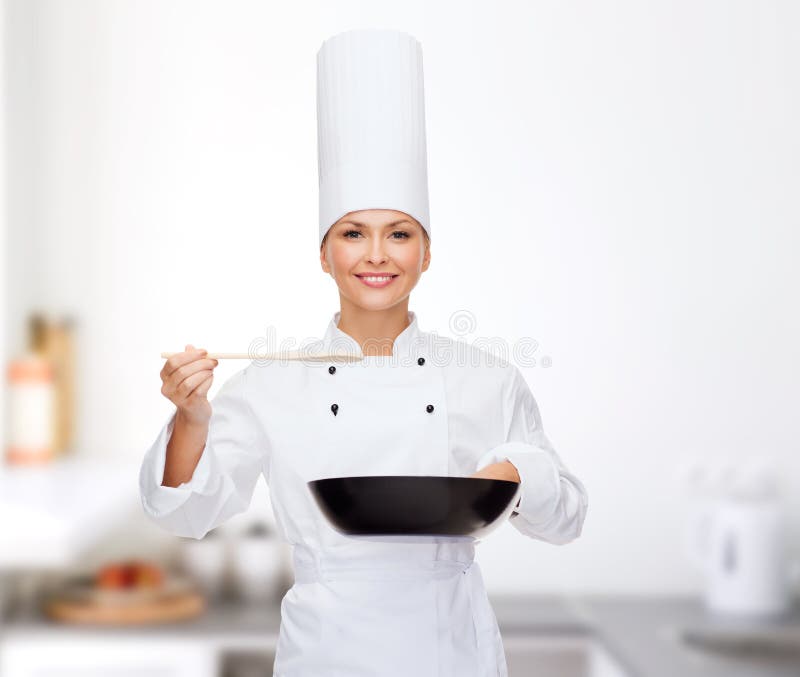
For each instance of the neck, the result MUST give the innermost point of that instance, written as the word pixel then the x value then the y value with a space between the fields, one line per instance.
pixel 374 330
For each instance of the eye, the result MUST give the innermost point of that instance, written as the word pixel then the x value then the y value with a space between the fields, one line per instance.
pixel 404 235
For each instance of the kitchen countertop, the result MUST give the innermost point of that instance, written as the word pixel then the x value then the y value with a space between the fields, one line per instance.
pixel 641 633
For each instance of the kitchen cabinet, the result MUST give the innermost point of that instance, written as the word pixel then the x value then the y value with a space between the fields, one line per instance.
pixel 100 655
pixel 568 655
pixel 103 655
pixel 543 636
pixel 246 663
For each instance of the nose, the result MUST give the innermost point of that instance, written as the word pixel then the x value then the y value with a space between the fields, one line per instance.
pixel 376 252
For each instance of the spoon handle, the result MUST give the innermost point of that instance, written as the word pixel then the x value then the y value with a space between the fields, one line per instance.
pixel 295 355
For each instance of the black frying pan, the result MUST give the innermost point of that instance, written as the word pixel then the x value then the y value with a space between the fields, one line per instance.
pixel 414 505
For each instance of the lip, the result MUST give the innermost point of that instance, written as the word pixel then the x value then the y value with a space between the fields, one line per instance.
pixel 376 285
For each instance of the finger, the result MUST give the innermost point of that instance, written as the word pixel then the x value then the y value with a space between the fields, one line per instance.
pixel 187 387
pixel 180 359
pixel 203 388
pixel 173 382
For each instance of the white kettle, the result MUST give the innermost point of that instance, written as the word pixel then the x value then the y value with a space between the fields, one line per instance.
pixel 739 541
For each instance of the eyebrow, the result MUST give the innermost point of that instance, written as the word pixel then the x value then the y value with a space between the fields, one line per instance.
pixel 388 225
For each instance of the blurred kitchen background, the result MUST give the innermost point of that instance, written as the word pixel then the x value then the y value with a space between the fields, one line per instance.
pixel 617 181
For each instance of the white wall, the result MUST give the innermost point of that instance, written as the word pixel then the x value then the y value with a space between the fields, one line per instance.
pixel 616 180
pixel 3 218
pixel 4 182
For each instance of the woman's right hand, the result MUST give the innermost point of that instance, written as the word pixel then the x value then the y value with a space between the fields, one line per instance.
pixel 186 378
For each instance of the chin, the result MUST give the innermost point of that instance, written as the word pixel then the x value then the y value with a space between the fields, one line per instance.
pixel 374 304
pixel 374 301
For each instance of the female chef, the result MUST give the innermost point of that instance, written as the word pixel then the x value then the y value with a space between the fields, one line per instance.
pixel 416 404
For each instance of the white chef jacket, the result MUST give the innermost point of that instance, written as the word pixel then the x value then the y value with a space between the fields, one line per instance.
pixel 402 605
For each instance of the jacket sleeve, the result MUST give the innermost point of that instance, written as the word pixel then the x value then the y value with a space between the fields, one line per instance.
pixel 553 501
pixel 235 454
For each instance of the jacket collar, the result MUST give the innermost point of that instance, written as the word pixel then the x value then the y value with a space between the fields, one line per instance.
pixel 406 343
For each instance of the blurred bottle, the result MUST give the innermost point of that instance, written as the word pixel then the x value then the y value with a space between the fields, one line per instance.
pixel 31 409
pixel 41 386
pixel 53 340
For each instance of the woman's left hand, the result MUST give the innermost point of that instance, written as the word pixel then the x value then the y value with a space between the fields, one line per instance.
pixel 504 470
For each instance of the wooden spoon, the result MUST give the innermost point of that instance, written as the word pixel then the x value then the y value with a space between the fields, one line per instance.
pixel 298 355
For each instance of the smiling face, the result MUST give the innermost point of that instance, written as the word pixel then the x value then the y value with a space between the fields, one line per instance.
pixel 376 256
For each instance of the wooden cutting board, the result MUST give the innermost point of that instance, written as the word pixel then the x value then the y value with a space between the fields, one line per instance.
pixel 79 604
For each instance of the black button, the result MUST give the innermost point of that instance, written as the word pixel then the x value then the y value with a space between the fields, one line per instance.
pixel 334 408
pixel 331 369
pixel 421 361
pixel 429 408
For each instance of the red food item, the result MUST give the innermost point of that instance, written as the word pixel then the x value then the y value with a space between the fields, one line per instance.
pixel 129 574
pixel 113 576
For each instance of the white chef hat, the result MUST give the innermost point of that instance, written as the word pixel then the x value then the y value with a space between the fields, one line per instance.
pixel 371 126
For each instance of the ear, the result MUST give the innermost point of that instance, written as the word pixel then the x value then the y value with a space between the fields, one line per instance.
pixel 426 261
pixel 324 260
